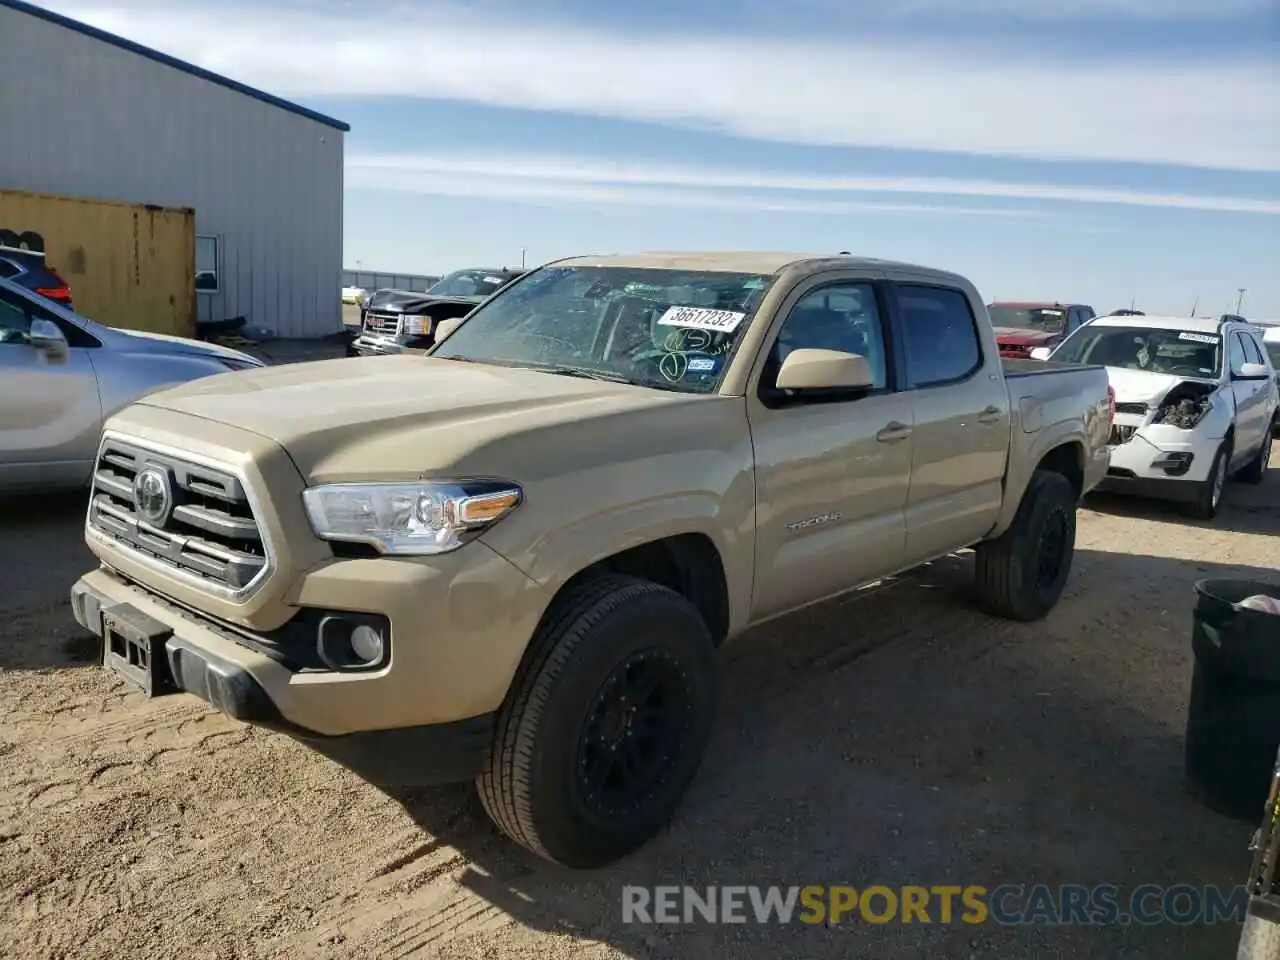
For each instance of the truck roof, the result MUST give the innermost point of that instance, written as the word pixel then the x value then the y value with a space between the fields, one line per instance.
pixel 1032 304
pixel 737 261
pixel 1190 324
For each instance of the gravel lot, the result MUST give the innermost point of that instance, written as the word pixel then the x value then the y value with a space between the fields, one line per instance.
pixel 895 737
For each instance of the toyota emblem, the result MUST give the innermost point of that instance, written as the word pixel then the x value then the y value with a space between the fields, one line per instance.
pixel 152 495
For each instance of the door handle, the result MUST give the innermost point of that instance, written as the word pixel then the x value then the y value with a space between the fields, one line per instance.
pixel 893 432
pixel 990 415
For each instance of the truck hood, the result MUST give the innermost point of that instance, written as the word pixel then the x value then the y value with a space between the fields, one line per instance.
pixel 403 417
pixel 422 302
pixel 1016 336
pixel 1140 386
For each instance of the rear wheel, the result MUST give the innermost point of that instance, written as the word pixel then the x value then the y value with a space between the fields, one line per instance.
pixel 1021 574
pixel 1209 496
pixel 607 725
pixel 1256 470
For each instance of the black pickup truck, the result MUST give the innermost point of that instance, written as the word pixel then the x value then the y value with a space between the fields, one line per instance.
pixel 409 323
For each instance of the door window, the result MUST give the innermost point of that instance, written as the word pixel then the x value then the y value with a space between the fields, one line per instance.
pixel 15 322
pixel 844 317
pixel 1251 351
pixel 1236 354
pixel 940 333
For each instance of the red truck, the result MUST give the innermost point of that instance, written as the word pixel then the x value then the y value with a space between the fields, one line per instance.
pixel 1023 326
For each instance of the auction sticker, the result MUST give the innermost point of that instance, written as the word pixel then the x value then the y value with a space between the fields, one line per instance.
pixel 702 318
pixel 1198 337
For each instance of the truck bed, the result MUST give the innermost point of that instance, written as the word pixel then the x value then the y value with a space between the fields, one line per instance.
pixel 1032 368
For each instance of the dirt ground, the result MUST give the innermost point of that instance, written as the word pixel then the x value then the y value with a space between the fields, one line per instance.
pixel 895 737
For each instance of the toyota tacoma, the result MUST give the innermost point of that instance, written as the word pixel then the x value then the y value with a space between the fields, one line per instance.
pixel 513 559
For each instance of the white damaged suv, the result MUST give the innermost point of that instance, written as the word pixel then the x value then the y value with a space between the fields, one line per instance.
pixel 1195 404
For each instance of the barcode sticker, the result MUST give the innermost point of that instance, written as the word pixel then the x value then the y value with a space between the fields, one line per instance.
pixel 702 318
pixel 1198 337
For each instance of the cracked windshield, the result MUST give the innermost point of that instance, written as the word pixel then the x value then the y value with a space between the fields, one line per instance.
pixel 666 329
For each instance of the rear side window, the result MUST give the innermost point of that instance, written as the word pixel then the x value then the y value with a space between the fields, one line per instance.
pixel 940 335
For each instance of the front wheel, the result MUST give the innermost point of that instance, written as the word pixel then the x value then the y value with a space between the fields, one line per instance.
pixel 1021 574
pixel 1209 495
pixel 1256 469
pixel 606 727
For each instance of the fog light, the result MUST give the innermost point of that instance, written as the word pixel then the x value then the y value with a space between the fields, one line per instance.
pixel 351 642
pixel 1173 464
pixel 366 643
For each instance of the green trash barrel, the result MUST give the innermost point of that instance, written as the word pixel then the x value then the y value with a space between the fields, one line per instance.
pixel 1233 721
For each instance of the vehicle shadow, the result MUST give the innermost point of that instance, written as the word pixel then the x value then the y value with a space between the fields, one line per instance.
pixel 41 555
pixel 900 737
pixel 1245 509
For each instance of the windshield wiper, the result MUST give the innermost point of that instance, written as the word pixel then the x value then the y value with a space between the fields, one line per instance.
pixel 585 373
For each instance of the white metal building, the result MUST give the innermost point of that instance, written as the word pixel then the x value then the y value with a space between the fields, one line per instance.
pixel 89 114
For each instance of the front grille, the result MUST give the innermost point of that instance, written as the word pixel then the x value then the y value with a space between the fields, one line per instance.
pixel 207 529
pixel 1015 353
pixel 1121 433
pixel 1139 408
pixel 382 323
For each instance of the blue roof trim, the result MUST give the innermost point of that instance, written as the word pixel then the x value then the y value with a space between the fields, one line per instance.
pixel 158 57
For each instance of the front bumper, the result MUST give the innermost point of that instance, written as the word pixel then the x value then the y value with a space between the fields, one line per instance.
pixel 367 346
pixel 458 632
pixel 1153 451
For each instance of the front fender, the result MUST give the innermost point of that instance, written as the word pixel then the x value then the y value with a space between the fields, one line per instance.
pixel 564 529
pixel 125 378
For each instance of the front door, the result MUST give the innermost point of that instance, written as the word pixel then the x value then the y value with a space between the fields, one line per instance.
pixel 1251 398
pixel 50 414
pixel 831 476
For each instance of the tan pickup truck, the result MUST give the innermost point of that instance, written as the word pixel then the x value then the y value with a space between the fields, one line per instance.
pixel 515 558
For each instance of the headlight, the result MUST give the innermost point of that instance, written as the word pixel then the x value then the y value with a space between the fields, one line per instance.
pixel 415 326
pixel 409 519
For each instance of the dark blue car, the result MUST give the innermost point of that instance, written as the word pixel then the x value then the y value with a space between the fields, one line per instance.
pixel 25 266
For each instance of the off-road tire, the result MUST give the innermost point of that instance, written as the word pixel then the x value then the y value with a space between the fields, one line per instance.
pixel 530 786
pixel 1255 471
pixel 1007 571
pixel 1208 498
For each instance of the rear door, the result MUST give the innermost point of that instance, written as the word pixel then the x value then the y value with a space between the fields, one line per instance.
pixel 50 414
pixel 962 420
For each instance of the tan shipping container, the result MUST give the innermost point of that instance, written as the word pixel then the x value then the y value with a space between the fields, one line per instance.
pixel 128 265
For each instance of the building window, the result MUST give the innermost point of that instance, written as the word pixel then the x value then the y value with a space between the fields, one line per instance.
pixel 207 264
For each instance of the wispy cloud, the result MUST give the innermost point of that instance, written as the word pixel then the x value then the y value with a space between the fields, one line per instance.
pixel 493 184
pixel 922 95
pixel 1182 11
pixel 566 177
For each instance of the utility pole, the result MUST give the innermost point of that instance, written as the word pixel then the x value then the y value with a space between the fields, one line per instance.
pixel 1240 292
pixel 1133 303
pixel 1194 305
pixel 522 252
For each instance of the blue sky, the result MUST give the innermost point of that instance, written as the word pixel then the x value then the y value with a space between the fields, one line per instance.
pixel 1090 150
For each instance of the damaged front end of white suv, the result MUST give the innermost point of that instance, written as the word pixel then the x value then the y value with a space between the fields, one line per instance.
pixel 1165 441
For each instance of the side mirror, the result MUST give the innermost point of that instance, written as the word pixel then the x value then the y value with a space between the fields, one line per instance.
pixel 1041 353
pixel 446 327
pixel 46 337
pixel 812 369
pixel 1254 371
